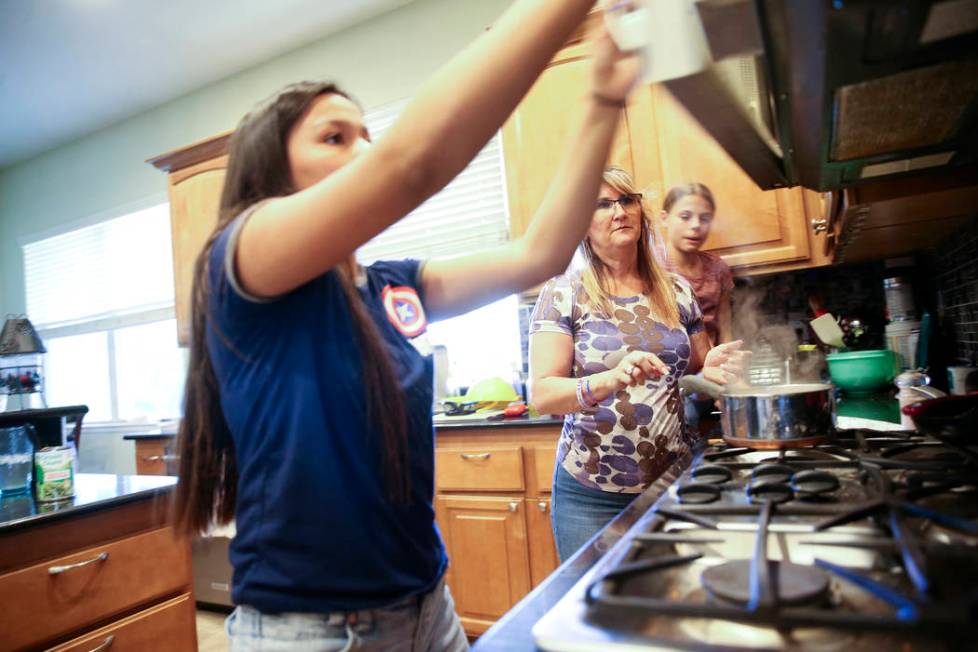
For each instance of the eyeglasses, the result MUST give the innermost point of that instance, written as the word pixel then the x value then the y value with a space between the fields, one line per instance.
pixel 625 201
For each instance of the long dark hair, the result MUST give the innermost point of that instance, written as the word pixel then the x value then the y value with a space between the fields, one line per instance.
pixel 258 168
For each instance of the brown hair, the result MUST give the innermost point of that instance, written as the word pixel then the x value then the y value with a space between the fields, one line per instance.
pixel 658 282
pixel 258 169
pixel 686 189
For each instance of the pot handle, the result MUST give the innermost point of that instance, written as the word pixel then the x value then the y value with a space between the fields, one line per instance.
pixel 693 384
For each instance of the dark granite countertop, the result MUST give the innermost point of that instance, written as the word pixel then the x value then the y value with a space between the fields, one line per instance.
pixel 16 417
pixel 93 491
pixel 150 435
pixel 473 421
pixel 441 423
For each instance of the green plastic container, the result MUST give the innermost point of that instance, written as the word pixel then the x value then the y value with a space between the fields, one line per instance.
pixel 862 372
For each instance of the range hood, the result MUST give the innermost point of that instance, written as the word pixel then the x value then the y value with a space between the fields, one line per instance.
pixel 828 94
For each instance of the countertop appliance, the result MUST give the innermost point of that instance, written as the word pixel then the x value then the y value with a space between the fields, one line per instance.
pixel 831 93
pixel 869 542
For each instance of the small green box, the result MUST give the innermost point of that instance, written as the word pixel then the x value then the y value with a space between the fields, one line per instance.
pixel 54 473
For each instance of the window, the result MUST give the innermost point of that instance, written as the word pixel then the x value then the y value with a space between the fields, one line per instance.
pixel 101 297
pixel 468 215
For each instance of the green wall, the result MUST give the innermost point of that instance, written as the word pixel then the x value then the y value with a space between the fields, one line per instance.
pixel 103 174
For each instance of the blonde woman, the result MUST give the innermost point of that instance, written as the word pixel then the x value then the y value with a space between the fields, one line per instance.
pixel 608 345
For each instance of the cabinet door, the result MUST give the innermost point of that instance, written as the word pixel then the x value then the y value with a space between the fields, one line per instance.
pixel 489 570
pixel 543 550
pixel 195 195
pixel 156 456
pixel 752 227
pixel 538 134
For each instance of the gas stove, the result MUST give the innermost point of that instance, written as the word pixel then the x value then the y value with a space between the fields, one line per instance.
pixel 867 543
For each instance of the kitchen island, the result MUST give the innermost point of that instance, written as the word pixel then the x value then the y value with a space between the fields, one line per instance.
pixel 102 568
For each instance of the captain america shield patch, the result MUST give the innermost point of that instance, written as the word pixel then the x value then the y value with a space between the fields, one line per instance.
pixel 403 307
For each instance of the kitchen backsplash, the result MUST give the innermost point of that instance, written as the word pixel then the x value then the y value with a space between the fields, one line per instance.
pixel 955 270
pixel 854 291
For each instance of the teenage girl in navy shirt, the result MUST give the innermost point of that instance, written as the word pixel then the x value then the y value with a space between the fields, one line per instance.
pixel 307 415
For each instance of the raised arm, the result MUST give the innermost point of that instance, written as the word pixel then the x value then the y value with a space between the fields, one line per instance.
pixel 456 285
pixel 291 240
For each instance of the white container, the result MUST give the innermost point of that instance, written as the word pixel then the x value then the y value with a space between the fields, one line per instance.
pixel 901 338
pixel 899 299
pixel 962 380
pixel 666 34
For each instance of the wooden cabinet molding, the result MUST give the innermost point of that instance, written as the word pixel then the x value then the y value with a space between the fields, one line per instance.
pixel 197 152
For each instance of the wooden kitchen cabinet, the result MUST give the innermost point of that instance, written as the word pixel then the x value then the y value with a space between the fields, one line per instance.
pixel 492 505
pixel 490 566
pixel 754 228
pixel 156 455
pixel 661 145
pixel 118 571
pixel 537 134
pixel 195 179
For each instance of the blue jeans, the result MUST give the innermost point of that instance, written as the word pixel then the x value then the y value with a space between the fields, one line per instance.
pixel 417 624
pixel 579 512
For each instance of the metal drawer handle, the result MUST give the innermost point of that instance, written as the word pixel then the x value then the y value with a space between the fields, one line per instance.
pixel 820 225
pixel 105 644
pixel 513 506
pixel 542 505
pixel 56 570
pixel 161 458
pixel 475 456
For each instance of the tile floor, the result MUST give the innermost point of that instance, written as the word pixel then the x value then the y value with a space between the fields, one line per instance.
pixel 210 631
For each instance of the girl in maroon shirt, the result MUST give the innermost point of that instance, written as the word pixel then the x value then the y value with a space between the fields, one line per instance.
pixel 687 215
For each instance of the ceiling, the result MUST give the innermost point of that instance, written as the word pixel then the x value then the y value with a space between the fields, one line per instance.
pixel 71 67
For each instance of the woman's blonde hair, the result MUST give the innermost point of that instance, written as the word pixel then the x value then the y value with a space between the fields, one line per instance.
pixel 659 287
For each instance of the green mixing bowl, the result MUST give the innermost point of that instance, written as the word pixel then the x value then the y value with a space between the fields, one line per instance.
pixel 862 372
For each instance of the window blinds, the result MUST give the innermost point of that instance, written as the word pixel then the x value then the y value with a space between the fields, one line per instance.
pixel 468 215
pixel 110 269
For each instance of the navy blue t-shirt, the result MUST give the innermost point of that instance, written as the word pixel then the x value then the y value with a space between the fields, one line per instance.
pixel 315 529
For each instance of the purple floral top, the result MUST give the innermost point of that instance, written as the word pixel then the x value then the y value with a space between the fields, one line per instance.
pixel 632 437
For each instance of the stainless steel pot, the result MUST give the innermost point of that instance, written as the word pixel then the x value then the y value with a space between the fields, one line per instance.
pixel 772 416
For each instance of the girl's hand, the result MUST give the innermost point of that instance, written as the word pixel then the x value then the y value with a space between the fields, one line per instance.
pixel 615 73
pixel 635 368
pixel 726 363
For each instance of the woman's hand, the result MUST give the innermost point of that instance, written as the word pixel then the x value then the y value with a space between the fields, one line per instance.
pixel 726 363
pixel 635 368
pixel 615 73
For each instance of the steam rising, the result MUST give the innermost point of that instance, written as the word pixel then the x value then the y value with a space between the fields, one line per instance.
pixel 775 359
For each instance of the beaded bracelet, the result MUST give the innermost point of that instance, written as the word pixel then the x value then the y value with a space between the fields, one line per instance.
pixel 580 395
pixel 588 394
pixel 584 389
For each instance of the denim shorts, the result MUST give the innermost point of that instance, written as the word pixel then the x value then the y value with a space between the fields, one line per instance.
pixel 579 512
pixel 417 624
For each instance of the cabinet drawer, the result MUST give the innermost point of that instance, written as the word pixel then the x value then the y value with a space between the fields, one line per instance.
pixel 61 595
pixel 164 627
pixel 490 468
